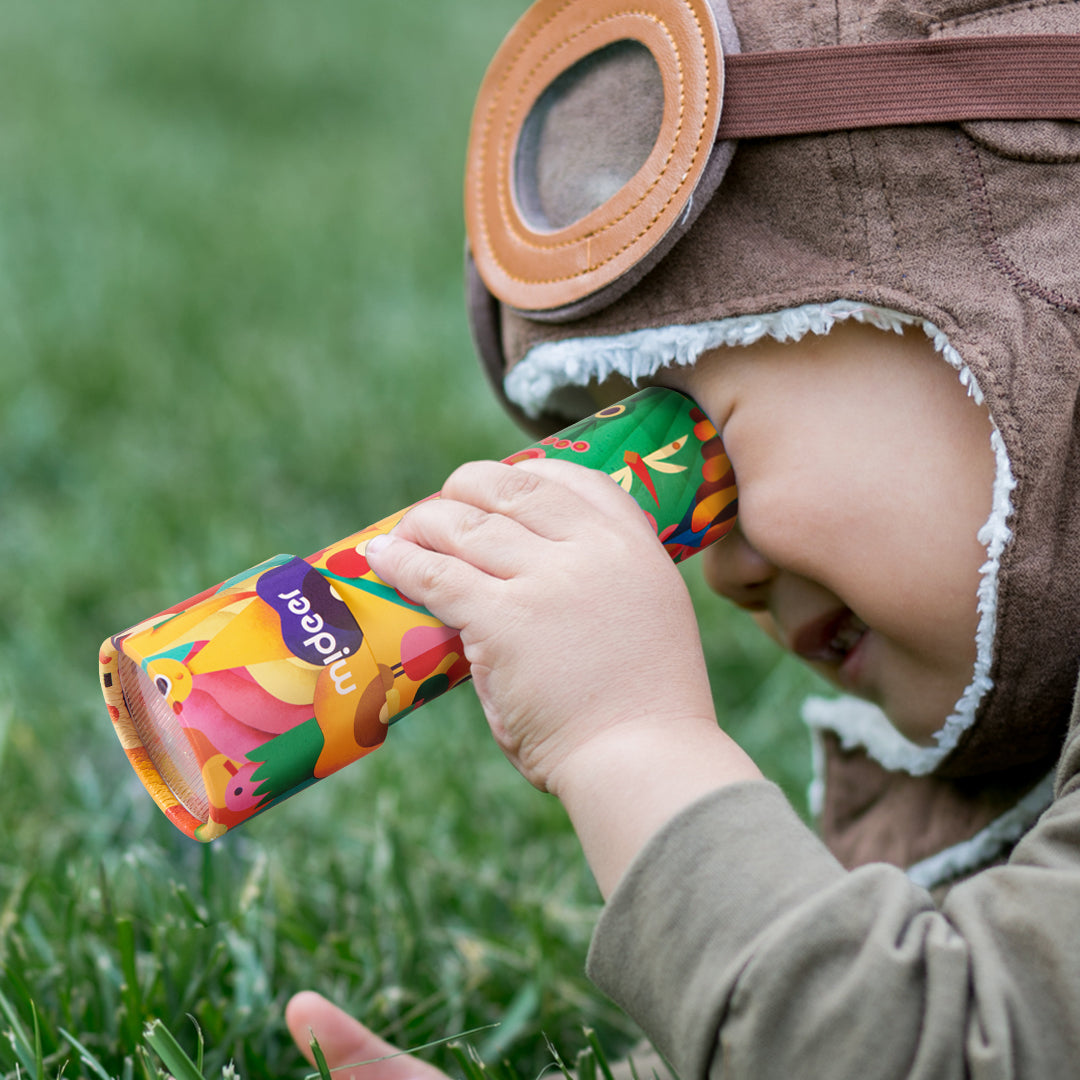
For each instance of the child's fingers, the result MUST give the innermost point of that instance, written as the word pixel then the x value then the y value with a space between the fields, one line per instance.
pixel 493 543
pixel 497 517
pixel 590 485
pixel 549 497
pixel 448 587
pixel 536 503
pixel 345 1041
pixel 498 523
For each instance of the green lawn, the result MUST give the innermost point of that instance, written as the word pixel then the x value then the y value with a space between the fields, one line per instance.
pixel 231 325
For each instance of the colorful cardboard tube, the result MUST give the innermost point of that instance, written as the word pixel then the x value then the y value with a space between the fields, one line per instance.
pixel 243 695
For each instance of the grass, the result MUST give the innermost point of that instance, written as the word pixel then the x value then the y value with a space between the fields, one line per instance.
pixel 231 324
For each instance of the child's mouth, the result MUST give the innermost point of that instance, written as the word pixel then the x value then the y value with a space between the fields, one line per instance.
pixel 830 639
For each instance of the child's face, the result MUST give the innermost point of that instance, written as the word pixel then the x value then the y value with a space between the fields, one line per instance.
pixel 864 474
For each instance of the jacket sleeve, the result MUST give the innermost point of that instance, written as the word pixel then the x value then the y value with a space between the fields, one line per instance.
pixel 743 949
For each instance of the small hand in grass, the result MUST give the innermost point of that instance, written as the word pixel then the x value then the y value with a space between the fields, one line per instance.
pixel 346 1042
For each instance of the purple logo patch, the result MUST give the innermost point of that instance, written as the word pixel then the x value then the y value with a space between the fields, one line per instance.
pixel 315 624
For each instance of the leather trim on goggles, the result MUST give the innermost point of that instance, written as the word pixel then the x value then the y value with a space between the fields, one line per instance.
pixel 564 273
pixel 539 269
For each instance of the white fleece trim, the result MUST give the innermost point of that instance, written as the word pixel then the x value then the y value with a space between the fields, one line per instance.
pixel 988 844
pixel 860 725
pixel 815 790
pixel 550 367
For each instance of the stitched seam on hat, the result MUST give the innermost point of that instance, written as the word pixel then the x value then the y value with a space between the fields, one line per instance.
pixel 859 36
pixel 984 225
pixel 1067 158
pixel 648 227
pixel 830 145
pixel 811 19
pixel 897 257
pixel 861 187
pixel 994 13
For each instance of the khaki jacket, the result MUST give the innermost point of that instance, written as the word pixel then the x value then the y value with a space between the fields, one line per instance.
pixel 744 949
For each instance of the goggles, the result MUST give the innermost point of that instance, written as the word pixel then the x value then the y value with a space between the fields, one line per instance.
pixel 601 130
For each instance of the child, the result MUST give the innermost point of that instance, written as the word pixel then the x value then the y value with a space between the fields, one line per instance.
pixel 884 325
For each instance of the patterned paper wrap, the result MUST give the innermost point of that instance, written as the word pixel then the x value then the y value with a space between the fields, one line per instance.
pixel 243 695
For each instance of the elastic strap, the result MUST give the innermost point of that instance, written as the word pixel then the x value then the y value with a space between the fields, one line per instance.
pixel 838 87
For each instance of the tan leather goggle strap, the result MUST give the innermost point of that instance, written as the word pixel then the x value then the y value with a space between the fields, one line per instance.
pixel 892 83
pixel 536 269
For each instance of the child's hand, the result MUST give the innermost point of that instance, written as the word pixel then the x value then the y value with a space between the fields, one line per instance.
pixel 583 644
pixel 345 1041
pixel 573 617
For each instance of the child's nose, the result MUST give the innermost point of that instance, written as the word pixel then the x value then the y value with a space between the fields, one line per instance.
pixel 737 571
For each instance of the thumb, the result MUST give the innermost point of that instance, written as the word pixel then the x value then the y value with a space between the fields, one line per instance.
pixel 348 1045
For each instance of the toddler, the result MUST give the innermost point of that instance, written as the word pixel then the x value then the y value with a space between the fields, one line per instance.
pixel 883 322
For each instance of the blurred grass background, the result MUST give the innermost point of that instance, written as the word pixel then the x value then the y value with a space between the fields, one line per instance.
pixel 231 324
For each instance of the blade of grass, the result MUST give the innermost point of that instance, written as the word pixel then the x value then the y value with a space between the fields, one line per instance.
pixel 320 1059
pixel 18 1036
pixel 87 1058
pixel 200 1044
pixel 557 1057
pixel 449 1042
pixel 39 1055
pixel 149 1070
pixel 585 1064
pixel 10 913
pixel 468 1062
pixel 601 1057
pixel 129 990
pixel 173 1055
pixel 195 913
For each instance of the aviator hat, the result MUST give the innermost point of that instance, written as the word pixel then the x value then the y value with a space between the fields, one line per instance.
pixel 646 182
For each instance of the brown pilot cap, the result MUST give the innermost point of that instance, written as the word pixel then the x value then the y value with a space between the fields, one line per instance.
pixel 932 203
